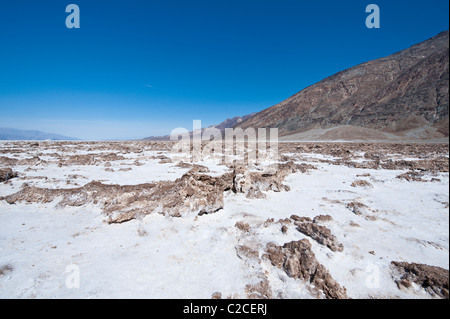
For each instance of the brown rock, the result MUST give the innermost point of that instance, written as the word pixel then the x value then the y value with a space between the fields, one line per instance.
pixel 284 221
pixel 300 219
pixel 435 280
pixel 322 218
pixel 412 176
pixel 247 252
pixel 321 234
pixel 299 262
pixel 6 174
pixel 260 290
pixel 191 192
pixel 255 183
pixel 216 295
pixel 357 208
pixel 361 183
pixel 243 226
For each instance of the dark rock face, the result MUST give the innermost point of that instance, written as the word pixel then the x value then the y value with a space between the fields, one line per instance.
pixel 401 92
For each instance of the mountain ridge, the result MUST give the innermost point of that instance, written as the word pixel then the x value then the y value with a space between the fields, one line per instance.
pixel 228 123
pixel 394 94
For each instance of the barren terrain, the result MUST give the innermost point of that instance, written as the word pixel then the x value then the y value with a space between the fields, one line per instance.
pixel 334 220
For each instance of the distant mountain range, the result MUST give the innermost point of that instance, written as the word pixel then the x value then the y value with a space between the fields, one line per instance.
pixel 402 96
pixel 228 123
pixel 27 135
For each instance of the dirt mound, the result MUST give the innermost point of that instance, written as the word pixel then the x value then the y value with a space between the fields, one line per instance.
pixel 408 123
pixel 435 280
pixel 442 126
pixel 298 261
pixel 349 133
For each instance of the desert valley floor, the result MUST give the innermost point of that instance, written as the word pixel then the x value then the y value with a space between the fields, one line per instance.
pixel 335 220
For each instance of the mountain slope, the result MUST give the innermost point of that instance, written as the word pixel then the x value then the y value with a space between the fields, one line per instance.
pixel 228 123
pixel 15 134
pixel 404 91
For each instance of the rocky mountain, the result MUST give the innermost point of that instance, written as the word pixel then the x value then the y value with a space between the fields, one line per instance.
pixel 29 135
pixel 404 94
pixel 228 123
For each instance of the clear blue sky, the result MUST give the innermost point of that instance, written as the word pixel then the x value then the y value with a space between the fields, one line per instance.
pixel 144 67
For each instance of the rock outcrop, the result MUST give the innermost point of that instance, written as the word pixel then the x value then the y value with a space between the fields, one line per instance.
pixel 195 191
pixel 298 261
pixel 6 174
pixel 321 234
pixel 435 280
pixel 253 184
pixel 192 192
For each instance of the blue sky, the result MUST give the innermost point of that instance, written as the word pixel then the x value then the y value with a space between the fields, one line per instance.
pixel 137 68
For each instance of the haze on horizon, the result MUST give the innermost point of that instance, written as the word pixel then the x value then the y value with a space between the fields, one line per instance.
pixel 142 68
